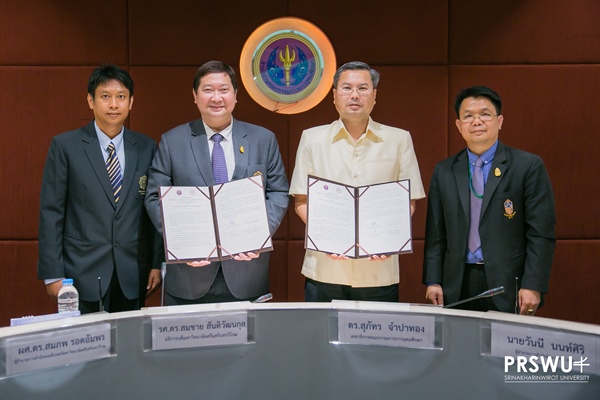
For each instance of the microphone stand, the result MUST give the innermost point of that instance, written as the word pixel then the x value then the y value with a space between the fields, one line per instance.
pixel 487 293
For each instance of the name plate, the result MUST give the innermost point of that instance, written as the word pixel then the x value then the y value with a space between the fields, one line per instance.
pixel 61 347
pixel 537 344
pixel 187 331
pixel 397 330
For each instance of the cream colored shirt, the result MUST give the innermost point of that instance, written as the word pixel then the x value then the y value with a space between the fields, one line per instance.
pixel 382 154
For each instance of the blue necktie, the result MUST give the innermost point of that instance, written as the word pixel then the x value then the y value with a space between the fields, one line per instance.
pixel 476 200
pixel 219 166
pixel 114 171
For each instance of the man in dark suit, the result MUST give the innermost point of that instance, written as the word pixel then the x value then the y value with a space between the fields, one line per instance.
pixel 92 218
pixel 490 217
pixel 184 159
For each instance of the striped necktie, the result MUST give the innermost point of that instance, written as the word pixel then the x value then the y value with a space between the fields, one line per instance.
pixel 114 171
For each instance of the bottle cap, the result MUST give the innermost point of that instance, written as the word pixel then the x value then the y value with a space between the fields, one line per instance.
pixel 67 281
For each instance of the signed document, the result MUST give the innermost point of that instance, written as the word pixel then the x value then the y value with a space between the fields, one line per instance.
pixel 358 221
pixel 216 222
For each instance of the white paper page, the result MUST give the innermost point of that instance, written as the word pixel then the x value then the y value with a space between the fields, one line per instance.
pixel 242 216
pixel 330 225
pixel 384 223
pixel 188 227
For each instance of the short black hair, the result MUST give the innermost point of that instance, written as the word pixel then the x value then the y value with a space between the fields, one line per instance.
pixel 356 66
pixel 478 91
pixel 214 67
pixel 106 73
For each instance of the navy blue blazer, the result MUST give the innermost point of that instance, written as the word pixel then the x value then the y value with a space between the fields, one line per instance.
pixel 517 225
pixel 83 234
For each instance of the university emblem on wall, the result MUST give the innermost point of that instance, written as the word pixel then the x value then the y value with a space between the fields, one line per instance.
pixel 287 65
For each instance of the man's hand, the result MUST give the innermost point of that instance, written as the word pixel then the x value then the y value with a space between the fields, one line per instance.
pixel 245 256
pixel 195 264
pixel 53 288
pixel 435 294
pixel 529 301
pixel 338 257
pixel 153 280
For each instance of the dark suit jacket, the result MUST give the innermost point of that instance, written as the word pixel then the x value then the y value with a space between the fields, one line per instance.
pixel 183 159
pixel 515 243
pixel 82 233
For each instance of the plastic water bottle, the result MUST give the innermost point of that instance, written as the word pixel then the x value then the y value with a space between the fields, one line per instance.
pixel 68 297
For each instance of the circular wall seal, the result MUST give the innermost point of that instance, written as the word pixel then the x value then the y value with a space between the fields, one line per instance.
pixel 287 65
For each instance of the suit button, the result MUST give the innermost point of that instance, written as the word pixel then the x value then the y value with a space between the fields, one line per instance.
pixel 118 217
pixel 116 244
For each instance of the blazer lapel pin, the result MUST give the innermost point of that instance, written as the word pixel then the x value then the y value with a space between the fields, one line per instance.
pixel 497 172
pixel 242 149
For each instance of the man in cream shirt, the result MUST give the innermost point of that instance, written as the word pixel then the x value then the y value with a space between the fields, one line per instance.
pixel 354 150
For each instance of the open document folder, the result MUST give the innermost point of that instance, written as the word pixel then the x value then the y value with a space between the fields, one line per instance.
pixel 358 221
pixel 216 222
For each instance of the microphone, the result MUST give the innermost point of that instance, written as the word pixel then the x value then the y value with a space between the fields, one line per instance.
pixel 100 305
pixel 163 272
pixel 487 293
pixel 264 298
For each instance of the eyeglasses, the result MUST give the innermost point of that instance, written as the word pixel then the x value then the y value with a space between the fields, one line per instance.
pixel 362 91
pixel 483 117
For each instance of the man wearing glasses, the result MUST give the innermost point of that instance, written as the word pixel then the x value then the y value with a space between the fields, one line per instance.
pixel 490 217
pixel 354 150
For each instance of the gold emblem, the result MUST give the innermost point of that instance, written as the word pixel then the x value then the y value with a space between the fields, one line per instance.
pixel 257 173
pixel 509 210
pixel 143 184
pixel 497 172
pixel 242 149
pixel 287 62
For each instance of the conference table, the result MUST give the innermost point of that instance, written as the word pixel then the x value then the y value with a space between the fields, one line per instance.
pixel 338 350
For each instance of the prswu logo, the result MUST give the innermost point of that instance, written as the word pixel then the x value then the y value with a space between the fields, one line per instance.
pixel 545 364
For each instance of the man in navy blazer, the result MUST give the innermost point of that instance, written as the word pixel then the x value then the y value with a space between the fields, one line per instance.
pixel 103 240
pixel 513 244
pixel 184 159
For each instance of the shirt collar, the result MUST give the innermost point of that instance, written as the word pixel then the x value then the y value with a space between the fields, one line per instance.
pixel 226 133
pixel 487 157
pixel 339 132
pixel 105 140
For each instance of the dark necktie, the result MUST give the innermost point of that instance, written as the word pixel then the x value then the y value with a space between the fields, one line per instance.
pixel 219 166
pixel 114 171
pixel 476 200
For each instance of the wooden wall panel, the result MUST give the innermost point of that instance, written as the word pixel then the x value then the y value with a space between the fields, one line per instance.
pixel 381 32
pixel 548 111
pixel 20 292
pixel 163 99
pixel 183 32
pixel 573 293
pixel 425 49
pixel 278 271
pixel 295 279
pixel 63 32
pixel 411 271
pixel 36 104
pixel 524 32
